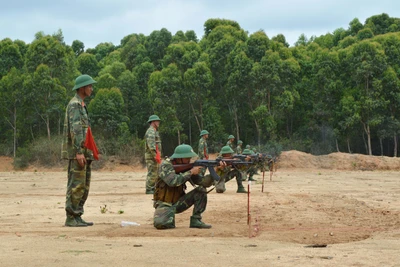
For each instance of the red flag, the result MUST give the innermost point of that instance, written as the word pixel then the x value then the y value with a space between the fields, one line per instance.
pixel 205 152
pixel 158 155
pixel 90 144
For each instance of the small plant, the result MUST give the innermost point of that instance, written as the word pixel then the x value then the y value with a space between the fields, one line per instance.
pixel 120 212
pixel 103 209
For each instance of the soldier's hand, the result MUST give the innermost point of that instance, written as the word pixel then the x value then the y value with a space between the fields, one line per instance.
pixel 248 158
pixel 81 159
pixel 222 163
pixel 195 170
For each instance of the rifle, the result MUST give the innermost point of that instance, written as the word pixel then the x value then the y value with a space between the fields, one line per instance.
pixel 209 164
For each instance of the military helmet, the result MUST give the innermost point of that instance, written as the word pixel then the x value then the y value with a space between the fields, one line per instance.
pixel 248 146
pixel 153 118
pixel 247 152
pixel 226 150
pixel 82 81
pixel 183 151
pixel 240 142
pixel 231 136
pixel 203 132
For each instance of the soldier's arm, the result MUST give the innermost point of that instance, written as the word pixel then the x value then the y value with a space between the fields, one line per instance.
pixel 76 128
pixel 168 175
pixel 151 141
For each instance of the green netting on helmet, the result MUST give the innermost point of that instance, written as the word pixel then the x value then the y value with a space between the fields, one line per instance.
pixel 231 136
pixel 240 142
pixel 183 151
pixel 226 150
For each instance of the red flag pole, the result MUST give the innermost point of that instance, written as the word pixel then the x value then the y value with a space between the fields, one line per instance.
pixel 262 187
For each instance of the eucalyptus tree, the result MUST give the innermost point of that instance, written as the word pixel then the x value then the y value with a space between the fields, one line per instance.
pixel 10 56
pixel 257 44
pixel 11 97
pixel 133 51
pixel 115 69
pixel 87 64
pixel 78 47
pixel 164 91
pixel 367 62
pixel 197 81
pixel 106 112
pixel 46 97
pixel 156 44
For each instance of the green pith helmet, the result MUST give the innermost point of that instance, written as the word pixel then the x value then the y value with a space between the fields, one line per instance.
pixel 240 142
pixel 248 146
pixel 226 150
pixel 153 118
pixel 231 136
pixel 82 81
pixel 203 132
pixel 183 151
pixel 247 152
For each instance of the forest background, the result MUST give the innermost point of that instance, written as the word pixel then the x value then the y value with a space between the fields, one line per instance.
pixel 335 92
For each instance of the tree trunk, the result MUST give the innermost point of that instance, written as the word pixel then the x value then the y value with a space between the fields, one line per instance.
pixel 381 144
pixel 337 145
pixel 258 132
pixel 236 124
pixel 395 145
pixel 48 126
pixel 348 145
pixel 15 130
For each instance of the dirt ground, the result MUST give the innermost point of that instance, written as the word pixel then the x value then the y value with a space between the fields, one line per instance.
pixel 333 210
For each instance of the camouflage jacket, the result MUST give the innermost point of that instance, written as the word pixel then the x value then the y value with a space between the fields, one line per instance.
pixel 203 149
pixel 169 186
pixel 76 123
pixel 239 150
pixel 152 139
pixel 229 143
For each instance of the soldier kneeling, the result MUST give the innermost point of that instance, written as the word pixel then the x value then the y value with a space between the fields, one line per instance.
pixel 169 194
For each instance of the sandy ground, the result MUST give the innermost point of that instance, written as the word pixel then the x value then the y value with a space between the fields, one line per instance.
pixel 325 214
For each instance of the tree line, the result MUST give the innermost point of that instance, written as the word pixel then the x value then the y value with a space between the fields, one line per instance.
pixel 335 92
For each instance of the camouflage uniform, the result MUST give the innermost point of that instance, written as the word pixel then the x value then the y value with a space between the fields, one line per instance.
pixel 230 144
pixel 226 174
pixel 239 149
pixel 170 197
pixel 152 140
pixel 76 123
pixel 203 149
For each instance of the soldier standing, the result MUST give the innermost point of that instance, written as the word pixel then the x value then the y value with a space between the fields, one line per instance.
pixel 152 152
pixel 76 125
pixel 231 138
pixel 169 194
pixel 203 148
pixel 239 147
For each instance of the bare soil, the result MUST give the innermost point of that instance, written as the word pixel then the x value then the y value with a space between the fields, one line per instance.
pixel 333 210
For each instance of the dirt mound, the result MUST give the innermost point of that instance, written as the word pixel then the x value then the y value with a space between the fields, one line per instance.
pixel 337 161
pixel 287 160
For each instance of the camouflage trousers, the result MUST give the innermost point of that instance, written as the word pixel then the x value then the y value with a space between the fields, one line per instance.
pixel 220 187
pixel 152 173
pixel 164 215
pixel 77 187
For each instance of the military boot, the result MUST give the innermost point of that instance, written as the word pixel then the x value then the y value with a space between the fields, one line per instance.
pixel 241 190
pixel 197 223
pixel 72 222
pixel 252 179
pixel 79 219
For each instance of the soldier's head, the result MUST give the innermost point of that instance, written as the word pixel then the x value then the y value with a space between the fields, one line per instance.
pixel 226 152
pixel 84 85
pixel 247 146
pixel 204 134
pixel 240 143
pixel 154 120
pixel 231 138
pixel 183 154
pixel 247 152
